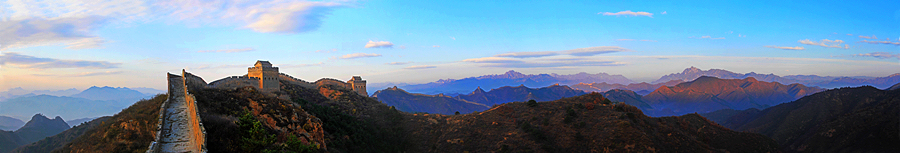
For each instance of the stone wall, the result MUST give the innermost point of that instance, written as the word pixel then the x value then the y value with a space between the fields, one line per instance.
pixel 233 82
pixel 178 93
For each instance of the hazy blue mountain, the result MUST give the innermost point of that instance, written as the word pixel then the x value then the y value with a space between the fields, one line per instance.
pixel 628 97
pixel 109 93
pixel 693 73
pixel 10 124
pixel 40 127
pixel 643 88
pixel 438 104
pixel 80 120
pixel 9 141
pixel 148 91
pixel 510 78
pixel 69 107
pixel 520 93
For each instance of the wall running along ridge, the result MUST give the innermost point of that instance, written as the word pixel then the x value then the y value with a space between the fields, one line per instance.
pixel 179 128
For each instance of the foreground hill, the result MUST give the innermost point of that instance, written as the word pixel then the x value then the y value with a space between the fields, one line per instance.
pixel 862 119
pixel 576 124
pixel 707 94
pixel 131 130
pixel 440 104
pixel 40 127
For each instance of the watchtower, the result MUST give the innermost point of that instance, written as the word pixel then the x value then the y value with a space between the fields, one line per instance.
pixel 358 85
pixel 266 74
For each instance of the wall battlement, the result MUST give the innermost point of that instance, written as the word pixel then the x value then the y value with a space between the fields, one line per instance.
pixel 180 128
pixel 267 78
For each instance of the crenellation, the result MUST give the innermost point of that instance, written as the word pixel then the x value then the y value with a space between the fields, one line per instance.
pixel 267 78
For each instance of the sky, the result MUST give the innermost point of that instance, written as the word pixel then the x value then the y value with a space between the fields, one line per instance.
pixel 133 43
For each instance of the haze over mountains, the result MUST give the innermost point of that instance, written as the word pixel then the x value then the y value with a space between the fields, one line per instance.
pixel 39 127
pixel 89 103
pixel 602 82
pixel 477 100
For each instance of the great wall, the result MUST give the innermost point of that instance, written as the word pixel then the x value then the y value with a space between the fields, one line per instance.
pixel 180 128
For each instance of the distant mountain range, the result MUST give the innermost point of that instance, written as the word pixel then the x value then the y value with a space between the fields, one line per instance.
pixel 20 92
pixel 10 124
pixel 707 94
pixel 477 100
pixel 439 104
pixel 39 127
pixel 602 82
pixel 90 103
pixel 693 73
pixel 860 119
pixel 510 78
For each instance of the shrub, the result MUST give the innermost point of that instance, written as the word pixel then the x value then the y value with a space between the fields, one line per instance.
pixel 606 101
pixel 253 136
pixel 457 113
pixel 531 103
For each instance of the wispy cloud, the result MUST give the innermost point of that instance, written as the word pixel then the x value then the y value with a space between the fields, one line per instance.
pixel 302 65
pixel 664 12
pixel 380 44
pixel 624 39
pixel 880 42
pixel 84 74
pixel 205 67
pixel 420 67
pixel 359 55
pixel 646 40
pixel 850 34
pixel 527 54
pixel 881 55
pixel 436 46
pixel 590 51
pixel 826 43
pixel 787 48
pixel 75 32
pixel 707 37
pixel 454 38
pixel 628 12
pixel 541 62
pixel 326 51
pixel 397 63
pixel 31 62
pixel 227 50
pixel 868 37
pixel 260 16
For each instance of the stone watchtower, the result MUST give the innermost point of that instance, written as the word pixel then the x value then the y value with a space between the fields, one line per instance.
pixel 267 75
pixel 358 85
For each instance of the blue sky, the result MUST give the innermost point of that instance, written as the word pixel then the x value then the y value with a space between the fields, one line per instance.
pixel 133 43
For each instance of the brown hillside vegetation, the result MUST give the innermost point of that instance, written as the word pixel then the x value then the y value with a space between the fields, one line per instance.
pixel 576 124
pixel 59 140
pixel 128 131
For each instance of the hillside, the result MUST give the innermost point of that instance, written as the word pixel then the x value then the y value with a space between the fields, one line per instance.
pixel 130 130
pixel 707 94
pixel 109 93
pixel 9 141
pixel 576 124
pixel 520 93
pixel 59 140
pixel 861 119
pixel 9 123
pixel 439 104
pixel 628 97
pixel 603 86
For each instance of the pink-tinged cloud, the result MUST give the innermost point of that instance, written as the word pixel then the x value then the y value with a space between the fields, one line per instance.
pixel 31 62
pixel 787 48
pixel 493 60
pixel 397 63
pixel 380 44
pixel 420 67
pixel 227 50
pixel 707 37
pixel 880 42
pixel 527 54
pixel 868 37
pixel 359 55
pixel 825 43
pixel 881 55
pixel 628 12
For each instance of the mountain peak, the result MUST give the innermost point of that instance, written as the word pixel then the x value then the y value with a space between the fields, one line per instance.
pixel 39 116
pixel 478 90
pixel 691 70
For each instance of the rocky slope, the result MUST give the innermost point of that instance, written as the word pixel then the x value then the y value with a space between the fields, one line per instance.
pixel 440 104
pixel 861 119
pixel 130 130
pixel 576 124
pixel 707 94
